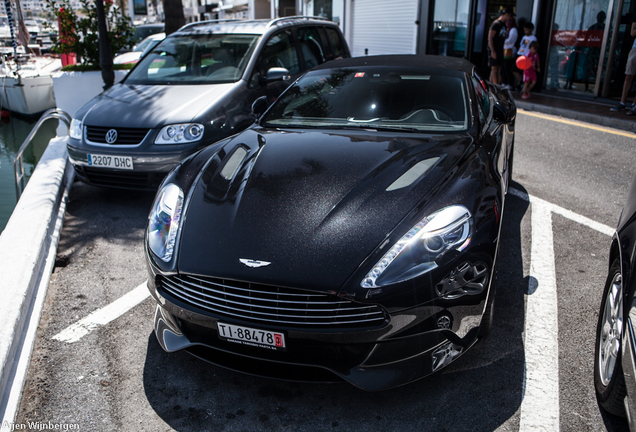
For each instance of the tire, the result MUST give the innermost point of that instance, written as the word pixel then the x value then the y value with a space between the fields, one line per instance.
pixel 609 380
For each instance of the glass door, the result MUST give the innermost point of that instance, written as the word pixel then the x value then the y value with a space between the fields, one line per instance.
pixel 450 26
pixel 484 12
pixel 330 9
pixel 613 69
pixel 576 42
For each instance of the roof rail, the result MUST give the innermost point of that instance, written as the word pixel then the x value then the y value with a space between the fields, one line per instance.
pixel 198 23
pixel 305 17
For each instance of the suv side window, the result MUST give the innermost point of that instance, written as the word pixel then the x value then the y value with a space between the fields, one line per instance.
pixel 311 46
pixel 336 43
pixel 278 52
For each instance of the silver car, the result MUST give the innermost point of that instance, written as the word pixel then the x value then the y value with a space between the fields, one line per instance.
pixel 193 89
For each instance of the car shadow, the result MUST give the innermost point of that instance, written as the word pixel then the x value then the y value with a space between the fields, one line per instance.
pixel 482 390
pixel 613 423
pixel 94 213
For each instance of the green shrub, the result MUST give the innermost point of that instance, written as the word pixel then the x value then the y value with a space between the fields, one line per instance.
pixel 90 67
pixel 79 35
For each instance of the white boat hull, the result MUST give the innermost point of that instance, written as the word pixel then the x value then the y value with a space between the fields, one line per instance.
pixel 27 95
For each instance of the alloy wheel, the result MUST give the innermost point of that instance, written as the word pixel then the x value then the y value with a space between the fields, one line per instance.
pixel 612 331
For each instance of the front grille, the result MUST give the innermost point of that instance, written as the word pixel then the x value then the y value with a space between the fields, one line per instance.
pixel 270 304
pixel 125 136
pixel 120 179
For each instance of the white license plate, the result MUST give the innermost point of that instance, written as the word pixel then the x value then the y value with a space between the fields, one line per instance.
pixel 117 162
pixel 252 337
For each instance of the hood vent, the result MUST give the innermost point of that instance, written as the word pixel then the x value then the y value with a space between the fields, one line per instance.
pixel 414 174
pixel 234 163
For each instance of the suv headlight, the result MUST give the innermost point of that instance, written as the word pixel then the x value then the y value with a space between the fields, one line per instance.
pixel 163 222
pixel 75 129
pixel 449 229
pixel 180 133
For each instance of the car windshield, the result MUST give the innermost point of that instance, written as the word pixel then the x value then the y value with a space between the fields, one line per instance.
pixel 195 59
pixel 143 32
pixel 146 43
pixel 375 97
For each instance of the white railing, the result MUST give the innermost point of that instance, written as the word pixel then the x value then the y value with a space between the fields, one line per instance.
pixel 18 166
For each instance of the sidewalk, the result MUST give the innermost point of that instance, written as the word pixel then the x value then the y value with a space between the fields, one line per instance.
pixel 595 111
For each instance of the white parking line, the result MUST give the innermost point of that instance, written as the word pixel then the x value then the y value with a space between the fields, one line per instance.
pixel 103 316
pixel 540 403
pixel 568 214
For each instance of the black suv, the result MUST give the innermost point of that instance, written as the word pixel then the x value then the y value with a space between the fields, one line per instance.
pixel 194 88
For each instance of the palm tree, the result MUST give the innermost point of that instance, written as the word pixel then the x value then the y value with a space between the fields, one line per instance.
pixel 173 10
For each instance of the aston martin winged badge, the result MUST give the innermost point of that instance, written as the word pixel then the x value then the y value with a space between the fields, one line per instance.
pixel 254 263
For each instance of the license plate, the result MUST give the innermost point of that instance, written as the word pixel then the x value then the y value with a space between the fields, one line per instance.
pixel 252 337
pixel 117 162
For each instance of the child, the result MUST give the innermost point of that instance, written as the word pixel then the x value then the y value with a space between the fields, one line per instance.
pixel 530 74
pixel 527 39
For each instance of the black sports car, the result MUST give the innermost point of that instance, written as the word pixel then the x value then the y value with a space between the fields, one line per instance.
pixel 350 234
pixel 615 352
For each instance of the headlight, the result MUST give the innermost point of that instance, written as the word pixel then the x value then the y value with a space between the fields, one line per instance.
pixel 446 230
pixel 163 222
pixel 75 130
pixel 180 133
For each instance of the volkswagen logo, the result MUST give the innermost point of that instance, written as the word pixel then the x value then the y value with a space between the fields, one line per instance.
pixel 111 136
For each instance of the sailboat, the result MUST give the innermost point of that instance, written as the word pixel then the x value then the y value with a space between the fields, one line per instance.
pixel 26 82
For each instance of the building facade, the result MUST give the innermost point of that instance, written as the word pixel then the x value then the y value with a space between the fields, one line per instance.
pixel 583 43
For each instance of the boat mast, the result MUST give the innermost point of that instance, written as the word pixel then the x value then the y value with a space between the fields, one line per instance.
pixel 7 6
pixel 23 33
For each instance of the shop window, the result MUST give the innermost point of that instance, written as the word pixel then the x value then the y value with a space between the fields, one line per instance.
pixel 450 25
pixel 575 44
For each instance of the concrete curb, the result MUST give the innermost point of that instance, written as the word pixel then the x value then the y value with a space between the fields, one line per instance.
pixel 626 125
pixel 27 254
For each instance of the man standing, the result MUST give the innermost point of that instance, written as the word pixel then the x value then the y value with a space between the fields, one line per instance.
pixel 496 39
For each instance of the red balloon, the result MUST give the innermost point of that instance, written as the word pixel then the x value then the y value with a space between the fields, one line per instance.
pixel 523 62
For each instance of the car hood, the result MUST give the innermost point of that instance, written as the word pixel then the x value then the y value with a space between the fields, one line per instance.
pixel 313 205
pixel 151 106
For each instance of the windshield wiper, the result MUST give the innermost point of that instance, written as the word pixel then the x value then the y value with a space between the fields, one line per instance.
pixel 353 120
pixel 381 128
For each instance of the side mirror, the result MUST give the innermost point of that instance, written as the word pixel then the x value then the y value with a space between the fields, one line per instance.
pixel 502 112
pixel 259 107
pixel 277 74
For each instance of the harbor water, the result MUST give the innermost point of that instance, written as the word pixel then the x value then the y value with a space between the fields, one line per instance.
pixel 13 132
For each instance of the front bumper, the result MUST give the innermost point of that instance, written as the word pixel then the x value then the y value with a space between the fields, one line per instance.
pixel 149 167
pixel 373 359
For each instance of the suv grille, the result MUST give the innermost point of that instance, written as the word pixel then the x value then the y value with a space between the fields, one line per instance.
pixel 120 178
pixel 270 304
pixel 125 136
